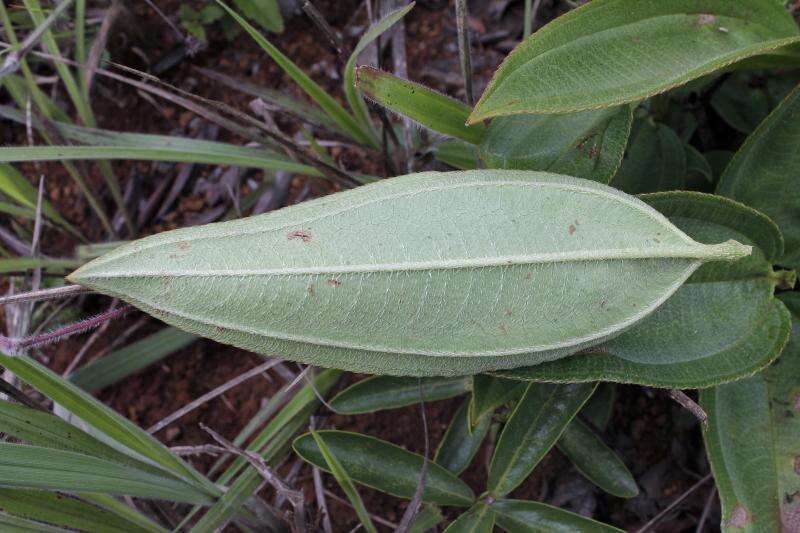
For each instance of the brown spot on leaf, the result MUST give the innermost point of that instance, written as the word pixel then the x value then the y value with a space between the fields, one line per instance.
pixel 300 234
pixel 739 517
pixel 603 303
pixel 333 282
pixel 571 229
pixel 636 39
pixel 509 312
pixel 219 329
pixel 797 402
pixel 529 276
pixel 594 151
pixel 184 246
pixel 310 290
pixel 704 19
pixel 797 465
pixel 503 328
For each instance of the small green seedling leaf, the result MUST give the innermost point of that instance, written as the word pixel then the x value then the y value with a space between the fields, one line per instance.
pixel 386 467
pixel 424 106
pixel 387 392
pixel 535 425
pixel 611 52
pixel 373 280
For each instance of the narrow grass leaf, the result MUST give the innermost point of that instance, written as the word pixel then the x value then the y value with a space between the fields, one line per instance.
pixel 610 52
pixel 535 425
pixel 317 93
pixel 387 392
pixel 424 106
pixel 13 524
pixel 51 266
pixel 267 13
pixel 344 481
pixel 34 467
pixel 385 467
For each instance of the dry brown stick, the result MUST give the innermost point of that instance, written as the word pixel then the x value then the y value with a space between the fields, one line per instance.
pixel 689 404
pixel 14 59
pixel 464 52
pixel 416 500
pixel 99 44
pixel 44 294
pixel 326 29
pixel 319 491
pixel 706 510
pixel 191 406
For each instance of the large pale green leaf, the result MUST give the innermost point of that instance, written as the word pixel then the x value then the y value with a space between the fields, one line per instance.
pixel 721 325
pixel 610 52
pixel 461 440
pixel 534 426
pixel 424 106
pixel 386 467
pixel 517 516
pixel 765 173
pixel 494 269
pixel 56 509
pixel 586 145
pixel 388 392
pixel 25 466
pixel 753 443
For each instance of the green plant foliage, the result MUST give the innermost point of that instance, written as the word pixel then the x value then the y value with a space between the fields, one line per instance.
pixel 387 392
pixel 478 519
pixel 722 325
pixel 424 106
pixel 766 168
pixel 517 516
pixel 753 444
pixel 462 440
pixel 656 160
pixel 267 13
pixel 423 276
pixel 489 393
pixel 384 466
pixel 535 425
pixel 610 52
pixel 746 98
pixel 586 145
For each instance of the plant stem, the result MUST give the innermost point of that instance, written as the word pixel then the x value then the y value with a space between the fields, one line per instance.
pixel 462 23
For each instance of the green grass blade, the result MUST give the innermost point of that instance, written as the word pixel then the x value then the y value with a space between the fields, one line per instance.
pixel 124 511
pixel 424 106
pixel 51 266
pixel 338 471
pixel 12 524
pixel 130 359
pixel 317 93
pixel 352 93
pixel 103 418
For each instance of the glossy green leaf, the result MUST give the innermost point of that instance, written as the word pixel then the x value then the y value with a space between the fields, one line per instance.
pixel 489 393
pixel 753 445
pixel 354 98
pixel 373 280
pixel 610 52
pixel 421 104
pixel 597 462
pixel 386 467
pixel 48 468
pixel 63 511
pixel 535 425
pixel 327 102
pixel 656 160
pixel 103 418
pixel 339 472
pixel 478 519
pixel 600 407
pixel 132 358
pixel 461 440
pixel 517 516
pixel 585 145
pixel 388 392
pixel 766 168
pixel 721 325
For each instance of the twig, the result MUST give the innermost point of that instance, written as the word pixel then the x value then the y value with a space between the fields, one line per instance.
pixel 191 406
pixel 416 501
pixel 689 404
pixel 294 497
pixel 674 504
pixel 35 341
pixel 14 59
pixel 401 70
pixel 706 510
pixel 326 29
pixel 44 294
pixel 462 23
pixel 95 53
pixel 319 491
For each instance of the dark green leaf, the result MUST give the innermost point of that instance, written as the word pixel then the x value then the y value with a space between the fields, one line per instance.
pixel 267 13
pixel 478 519
pixel 517 516
pixel 656 160
pixel 386 467
pixel 532 429
pixel 461 441
pixel 388 392
pixel 489 393
pixel 458 154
